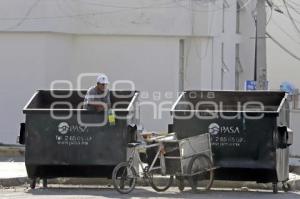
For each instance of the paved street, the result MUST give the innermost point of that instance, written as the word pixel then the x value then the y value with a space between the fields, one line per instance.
pixel 76 192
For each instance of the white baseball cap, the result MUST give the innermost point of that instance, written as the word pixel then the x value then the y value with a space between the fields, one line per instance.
pixel 102 79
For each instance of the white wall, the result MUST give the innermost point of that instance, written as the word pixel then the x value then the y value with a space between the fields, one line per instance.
pixel 230 39
pixel 152 63
pixel 203 54
pixel 295 148
pixel 247 43
pixel 32 61
pixel 281 66
pixel 26 65
pixel 137 40
pixel 165 17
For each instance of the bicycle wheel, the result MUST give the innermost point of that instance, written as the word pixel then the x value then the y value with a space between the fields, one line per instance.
pixel 45 183
pixel 180 183
pixel 124 178
pixel 33 183
pixel 158 182
pixel 200 169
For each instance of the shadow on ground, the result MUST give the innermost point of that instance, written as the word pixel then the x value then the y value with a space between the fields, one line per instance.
pixel 142 192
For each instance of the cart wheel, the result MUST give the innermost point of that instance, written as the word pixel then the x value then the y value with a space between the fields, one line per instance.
pixel 180 183
pixel 158 182
pixel 45 183
pixel 275 188
pixel 124 178
pixel 33 183
pixel 200 169
pixel 286 187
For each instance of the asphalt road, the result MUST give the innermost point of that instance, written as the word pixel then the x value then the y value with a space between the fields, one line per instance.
pixel 77 192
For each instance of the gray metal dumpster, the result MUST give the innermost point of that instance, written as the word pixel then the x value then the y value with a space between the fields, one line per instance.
pixel 64 140
pixel 249 132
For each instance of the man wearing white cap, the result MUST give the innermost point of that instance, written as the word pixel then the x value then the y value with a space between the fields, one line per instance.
pixel 98 97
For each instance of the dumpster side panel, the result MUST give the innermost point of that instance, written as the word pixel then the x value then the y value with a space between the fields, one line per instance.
pixel 64 140
pixel 47 143
pixel 57 148
pixel 236 143
pixel 243 147
pixel 282 166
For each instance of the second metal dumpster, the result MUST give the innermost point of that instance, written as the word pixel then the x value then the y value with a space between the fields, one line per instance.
pixel 249 131
pixel 64 140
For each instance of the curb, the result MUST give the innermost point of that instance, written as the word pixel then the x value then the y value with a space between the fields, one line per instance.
pixel 12 182
pixel 295 169
pixel 6 151
pixel 295 184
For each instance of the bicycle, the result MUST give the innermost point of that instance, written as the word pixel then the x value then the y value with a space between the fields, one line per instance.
pixel 125 174
pixel 189 158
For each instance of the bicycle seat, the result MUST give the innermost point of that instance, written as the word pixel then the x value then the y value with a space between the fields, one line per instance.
pixel 133 144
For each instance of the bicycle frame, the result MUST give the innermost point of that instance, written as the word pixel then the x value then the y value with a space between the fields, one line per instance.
pixel 159 154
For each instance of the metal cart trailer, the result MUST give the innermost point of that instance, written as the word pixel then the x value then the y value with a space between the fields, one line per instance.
pixel 64 140
pixel 191 159
pixel 249 132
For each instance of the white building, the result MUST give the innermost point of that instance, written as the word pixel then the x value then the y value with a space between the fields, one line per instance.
pixel 160 45
pixel 281 65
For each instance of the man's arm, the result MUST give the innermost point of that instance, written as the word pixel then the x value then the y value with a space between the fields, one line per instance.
pixel 108 101
pixel 90 100
pixel 98 105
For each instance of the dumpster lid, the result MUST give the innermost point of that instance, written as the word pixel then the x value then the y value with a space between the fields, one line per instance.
pixel 230 101
pixel 72 100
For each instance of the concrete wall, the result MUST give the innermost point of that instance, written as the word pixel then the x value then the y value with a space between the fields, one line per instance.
pixel 152 63
pixel 295 148
pixel 43 41
pixel 282 66
pixel 247 43
pixel 63 57
pixel 28 62
pixel 147 17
